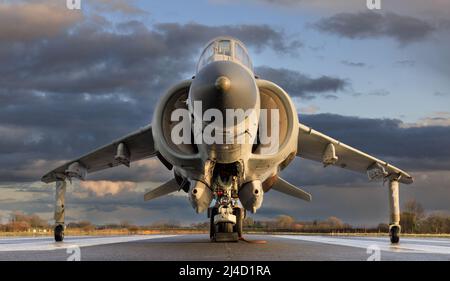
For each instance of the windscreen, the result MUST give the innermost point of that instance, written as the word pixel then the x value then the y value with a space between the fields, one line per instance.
pixel 225 49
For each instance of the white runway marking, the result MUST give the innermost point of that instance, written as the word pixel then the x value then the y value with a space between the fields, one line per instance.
pixel 406 245
pixel 47 243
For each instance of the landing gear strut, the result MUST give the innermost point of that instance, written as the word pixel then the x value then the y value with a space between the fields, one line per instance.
pixel 59 210
pixel 226 216
pixel 394 204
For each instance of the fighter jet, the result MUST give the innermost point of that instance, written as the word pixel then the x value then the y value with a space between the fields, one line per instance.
pixel 227 134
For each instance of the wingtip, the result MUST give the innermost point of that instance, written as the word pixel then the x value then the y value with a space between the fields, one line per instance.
pixel 410 180
pixel 45 179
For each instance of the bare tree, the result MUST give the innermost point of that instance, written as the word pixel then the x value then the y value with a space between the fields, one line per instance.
pixel 412 214
pixel 335 223
pixel 285 222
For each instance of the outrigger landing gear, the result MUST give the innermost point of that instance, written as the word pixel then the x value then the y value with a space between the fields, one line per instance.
pixel 59 210
pixel 394 204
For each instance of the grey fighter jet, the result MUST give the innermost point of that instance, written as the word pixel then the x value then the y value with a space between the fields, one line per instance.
pixel 227 169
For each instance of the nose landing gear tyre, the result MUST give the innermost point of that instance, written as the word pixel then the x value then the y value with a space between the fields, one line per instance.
pixel 225 227
pixel 224 233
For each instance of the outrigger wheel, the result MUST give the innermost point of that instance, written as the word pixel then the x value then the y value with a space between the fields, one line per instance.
pixel 59 233
pixel 394 232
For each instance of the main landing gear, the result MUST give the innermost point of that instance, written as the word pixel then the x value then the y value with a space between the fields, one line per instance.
pixel 59 210
pixel 394 204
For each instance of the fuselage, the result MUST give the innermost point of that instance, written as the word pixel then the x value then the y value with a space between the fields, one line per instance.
pixel 225 122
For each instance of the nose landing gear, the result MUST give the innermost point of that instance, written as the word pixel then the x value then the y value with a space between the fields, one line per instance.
pixel 226 216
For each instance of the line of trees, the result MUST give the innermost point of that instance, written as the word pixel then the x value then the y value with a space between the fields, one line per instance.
pixel 20 221
pixel 413 220
pixel 285 223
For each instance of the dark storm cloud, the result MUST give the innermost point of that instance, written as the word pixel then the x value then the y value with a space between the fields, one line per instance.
pixel 407 147
pixel 404 29
pixel 22 21
pixel 300 85
pixel 256 36
pixel 95 59
pixel 74 81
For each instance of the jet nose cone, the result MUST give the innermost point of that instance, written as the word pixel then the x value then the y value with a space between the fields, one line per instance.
pixel 222 83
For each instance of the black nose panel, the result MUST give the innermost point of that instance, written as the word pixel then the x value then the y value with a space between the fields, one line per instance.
pixel 224 85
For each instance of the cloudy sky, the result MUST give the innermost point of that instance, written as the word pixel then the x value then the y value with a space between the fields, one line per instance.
pixel 72 80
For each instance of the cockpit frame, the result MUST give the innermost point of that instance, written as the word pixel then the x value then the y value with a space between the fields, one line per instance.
pixel 225 48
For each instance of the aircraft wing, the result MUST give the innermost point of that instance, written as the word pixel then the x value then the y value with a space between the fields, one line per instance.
pixel 135 146
pixel 316 146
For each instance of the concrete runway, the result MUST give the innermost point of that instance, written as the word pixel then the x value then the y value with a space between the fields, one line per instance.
pixel 198 247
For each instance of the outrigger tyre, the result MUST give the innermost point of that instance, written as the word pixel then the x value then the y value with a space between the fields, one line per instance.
pixel 59 233
pixel 394 234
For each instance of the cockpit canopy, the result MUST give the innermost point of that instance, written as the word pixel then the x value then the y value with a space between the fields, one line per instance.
pixel 225 48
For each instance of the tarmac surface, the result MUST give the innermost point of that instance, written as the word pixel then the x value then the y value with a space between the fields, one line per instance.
pixel 199 247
